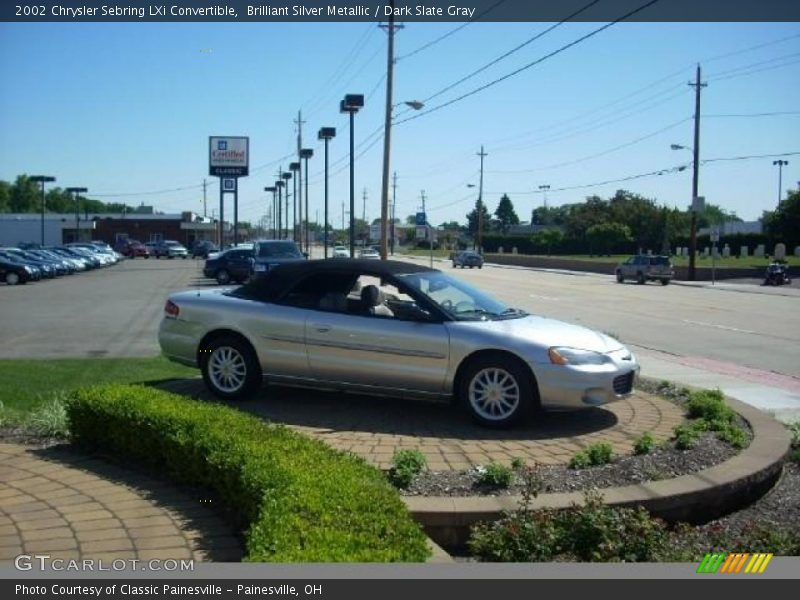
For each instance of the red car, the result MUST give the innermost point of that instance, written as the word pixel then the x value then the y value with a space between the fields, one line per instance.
pixel 133 248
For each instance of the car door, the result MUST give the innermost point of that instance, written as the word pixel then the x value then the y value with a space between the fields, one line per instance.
pixel 239 263
pixel 363 351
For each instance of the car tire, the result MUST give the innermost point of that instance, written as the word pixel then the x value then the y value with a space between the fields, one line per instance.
pixel 665 282
pixel 184 257
pixel 12 278
pixel 223 277
pixel 620 278
pixel 480 266
pixel 486 379
pixel 146 257
pixel 640 279
pixel 230 368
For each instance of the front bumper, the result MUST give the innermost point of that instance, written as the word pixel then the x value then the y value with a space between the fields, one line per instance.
pixel 565 386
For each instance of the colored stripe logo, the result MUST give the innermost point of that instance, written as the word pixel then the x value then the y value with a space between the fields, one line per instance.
pixel 734 563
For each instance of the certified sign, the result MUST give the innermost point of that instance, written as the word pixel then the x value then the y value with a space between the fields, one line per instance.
pixel 228 156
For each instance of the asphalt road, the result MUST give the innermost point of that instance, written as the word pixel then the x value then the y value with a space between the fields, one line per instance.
pixel 115 312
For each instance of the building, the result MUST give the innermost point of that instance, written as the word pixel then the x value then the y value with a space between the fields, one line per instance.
pixel 16 228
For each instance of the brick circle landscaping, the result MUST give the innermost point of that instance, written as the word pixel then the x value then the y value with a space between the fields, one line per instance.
pixel 375 428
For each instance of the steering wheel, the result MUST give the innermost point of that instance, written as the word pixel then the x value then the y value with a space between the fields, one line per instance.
pixel 447 304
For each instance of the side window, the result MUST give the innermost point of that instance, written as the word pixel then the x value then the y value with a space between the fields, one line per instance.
pixel 325 292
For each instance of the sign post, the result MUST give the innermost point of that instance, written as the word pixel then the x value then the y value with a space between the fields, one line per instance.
pixel 228 159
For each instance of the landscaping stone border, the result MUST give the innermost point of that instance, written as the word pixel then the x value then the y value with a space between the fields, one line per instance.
pixel 694 498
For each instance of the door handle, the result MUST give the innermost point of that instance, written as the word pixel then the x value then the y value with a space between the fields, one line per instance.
pixel 321 327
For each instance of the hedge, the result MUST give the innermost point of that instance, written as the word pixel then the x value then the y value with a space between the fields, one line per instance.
pixel 297 499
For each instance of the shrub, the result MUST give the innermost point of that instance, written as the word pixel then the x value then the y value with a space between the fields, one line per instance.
pixel 733 435
pixel 49 418
pixel 686 436
pixel 496 475
pixel 517 463
pixel 591 532
pixel 644 444
pixel 579 461
pixel 600 454
pixel 298 499
pixel 709 405
pixel 406 465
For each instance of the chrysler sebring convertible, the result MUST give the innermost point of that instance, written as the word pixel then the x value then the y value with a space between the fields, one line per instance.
pixel 387 328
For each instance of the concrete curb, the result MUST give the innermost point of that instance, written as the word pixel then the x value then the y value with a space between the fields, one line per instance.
pixel 698 497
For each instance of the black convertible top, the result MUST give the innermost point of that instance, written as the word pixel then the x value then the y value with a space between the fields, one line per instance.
pixel 283 276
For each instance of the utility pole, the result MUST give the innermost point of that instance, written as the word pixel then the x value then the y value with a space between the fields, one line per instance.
pixel 480 204
pixel 780 164
pixel 387 131
pixel 697 85
pixel 364 212
pixel 278 215
pixel 394 206
pixel 204 197
pixel 299 122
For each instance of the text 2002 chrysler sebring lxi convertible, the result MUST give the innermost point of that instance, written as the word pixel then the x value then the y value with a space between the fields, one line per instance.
pixel 392 329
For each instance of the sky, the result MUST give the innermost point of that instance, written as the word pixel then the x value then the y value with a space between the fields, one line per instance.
pixel 125 109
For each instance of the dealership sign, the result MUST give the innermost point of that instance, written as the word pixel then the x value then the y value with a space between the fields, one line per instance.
pixel 228 156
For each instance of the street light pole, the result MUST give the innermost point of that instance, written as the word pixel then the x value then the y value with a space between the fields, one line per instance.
pixel 77 191
pixel 272 189
pixel 480 204
pixel 780 164
pixel 294 168
pixel 350 104
pixel 327 134
pixel 287 175
pixel 279 185
pixel 42 179
pixel 306 153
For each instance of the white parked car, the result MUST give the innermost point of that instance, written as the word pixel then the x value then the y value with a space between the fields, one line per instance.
pixel 340 252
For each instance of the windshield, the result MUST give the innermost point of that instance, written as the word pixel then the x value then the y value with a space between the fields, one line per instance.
pixel 278 250
pixel 458 299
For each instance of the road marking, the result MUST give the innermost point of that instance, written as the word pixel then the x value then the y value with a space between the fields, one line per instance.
pixel 714 325
pixel 544 297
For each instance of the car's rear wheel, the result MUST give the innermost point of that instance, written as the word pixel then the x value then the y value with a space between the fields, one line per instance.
pixel 497 392
pixel 640 279
pixel 12 278
pixel 223 277
pixel 620 278
pixel 665 282
pixel 230 368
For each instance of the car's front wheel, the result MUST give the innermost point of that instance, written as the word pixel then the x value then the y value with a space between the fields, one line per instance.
pixel 497 392
pixel 230 368
pixel 620 278
pixel 640 279
pixel 12 278
pixel 665 281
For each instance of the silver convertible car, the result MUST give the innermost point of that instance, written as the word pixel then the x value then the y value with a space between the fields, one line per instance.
pixel 390 328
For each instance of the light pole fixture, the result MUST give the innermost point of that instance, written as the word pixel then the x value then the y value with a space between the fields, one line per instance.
pixel 286 175
pixel 272 189
pixel 326 134
pixel 780 164
pixel 77 191
pixel 279 184
pixel 694 207
pixel 42 179
pixel 294 168
pixel 306 153
pixel 351 104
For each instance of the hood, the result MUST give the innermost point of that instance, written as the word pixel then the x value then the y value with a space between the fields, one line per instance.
pixel 548 332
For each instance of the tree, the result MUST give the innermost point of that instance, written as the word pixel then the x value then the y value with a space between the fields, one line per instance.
pixel 783 224
pixel 505 214
pixel 472 218
pixel 548 238
pixel 411 220
pixel 603 237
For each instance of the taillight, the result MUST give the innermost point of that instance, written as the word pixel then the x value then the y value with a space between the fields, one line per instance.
pixel 171 309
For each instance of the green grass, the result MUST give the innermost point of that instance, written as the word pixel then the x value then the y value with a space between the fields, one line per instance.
pixel 27 384
pixel 730 262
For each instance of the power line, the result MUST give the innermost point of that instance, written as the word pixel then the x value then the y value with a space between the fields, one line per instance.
pixel 531 64
pixel 764 114
pixel 449 33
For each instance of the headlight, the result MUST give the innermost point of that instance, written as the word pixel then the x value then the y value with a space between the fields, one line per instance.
pixel 576 356
pixel 28 269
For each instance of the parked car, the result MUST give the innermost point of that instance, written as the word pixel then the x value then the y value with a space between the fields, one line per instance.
pixel 370 253
pixel 133 249
pixel 235 265
pixel 340 252
pixel 268 254
pixel 646 267
pixel 467 258
pixel 390 328
pixel 170 249
pixel 47 268
pixel 15 273
pixel 203 248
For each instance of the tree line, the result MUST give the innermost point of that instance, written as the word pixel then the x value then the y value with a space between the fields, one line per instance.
pixel 25 196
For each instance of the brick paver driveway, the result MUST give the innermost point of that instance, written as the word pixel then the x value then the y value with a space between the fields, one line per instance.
pixel 375 428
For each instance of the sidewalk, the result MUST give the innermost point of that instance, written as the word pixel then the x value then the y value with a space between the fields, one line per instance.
pixel 56 502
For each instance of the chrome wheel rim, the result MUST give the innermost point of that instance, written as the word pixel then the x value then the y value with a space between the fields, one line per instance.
pixel 227 369
pixel 223 277
pixel 494 394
